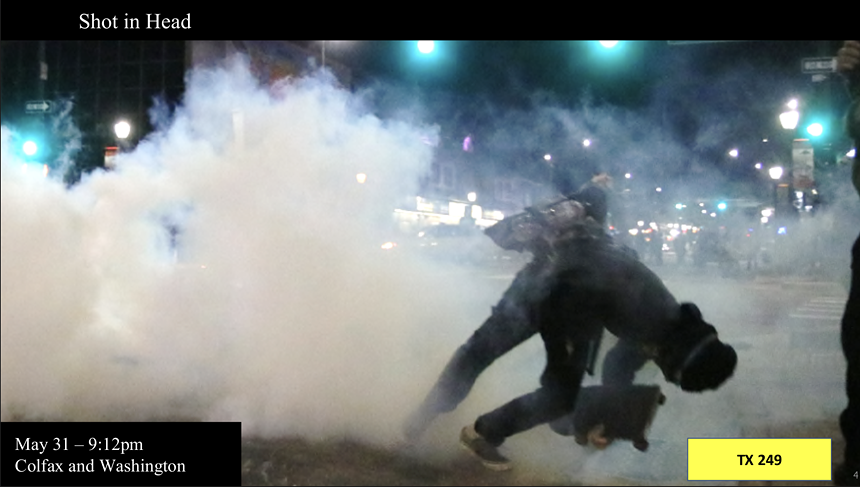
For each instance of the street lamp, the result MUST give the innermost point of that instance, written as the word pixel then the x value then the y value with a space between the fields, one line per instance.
pixel 789 119
pixel 30 148
pixel 122 129
pixel 426 47
pixel 775 172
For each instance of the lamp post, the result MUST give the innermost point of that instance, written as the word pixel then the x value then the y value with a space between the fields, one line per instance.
pixel 789 119
pixel 122 130
pixel 775 172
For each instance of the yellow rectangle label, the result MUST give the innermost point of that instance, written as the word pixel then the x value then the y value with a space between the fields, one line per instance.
pixel 758 458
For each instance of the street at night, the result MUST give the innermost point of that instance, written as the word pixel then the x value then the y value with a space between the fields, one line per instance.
pixel 788 385
pixel 302 237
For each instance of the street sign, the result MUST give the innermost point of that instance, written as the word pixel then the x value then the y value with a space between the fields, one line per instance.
pixel 38 106
pixel 818 65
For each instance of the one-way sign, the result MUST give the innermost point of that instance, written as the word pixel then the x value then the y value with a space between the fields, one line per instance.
pixel 38 106
pixel 818 65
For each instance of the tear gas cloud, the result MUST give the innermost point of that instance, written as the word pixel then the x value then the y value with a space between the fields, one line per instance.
pixel 279 310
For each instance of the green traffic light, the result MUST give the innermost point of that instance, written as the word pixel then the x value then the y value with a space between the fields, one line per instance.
pixel 30 148
pixel 426 47
pixel 815 129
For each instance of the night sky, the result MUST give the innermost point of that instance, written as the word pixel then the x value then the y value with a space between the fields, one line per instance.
pixel 673 107
pixel 626 75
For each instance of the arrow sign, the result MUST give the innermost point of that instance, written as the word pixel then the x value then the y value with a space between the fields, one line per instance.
pixel 38 106
pixel 818 65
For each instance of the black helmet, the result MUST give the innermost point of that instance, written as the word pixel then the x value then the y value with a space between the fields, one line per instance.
pixel 696 359
pixel 707 367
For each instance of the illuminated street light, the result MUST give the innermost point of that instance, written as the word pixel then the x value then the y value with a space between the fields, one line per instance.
pixel 472 196
pixel 775 172
pixel 426 47
pixel 122 129
pixel 733 152
pixel 789 120
pixel 361 177
pixel 815 129
pixel 586 142
pixel 547 157
pixel 30 148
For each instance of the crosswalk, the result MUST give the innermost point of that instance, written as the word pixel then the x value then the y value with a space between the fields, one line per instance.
pixel 822 308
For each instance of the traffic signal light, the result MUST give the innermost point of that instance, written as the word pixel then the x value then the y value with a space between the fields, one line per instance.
pixel 815 129
pixel 30 148
pixel 426 47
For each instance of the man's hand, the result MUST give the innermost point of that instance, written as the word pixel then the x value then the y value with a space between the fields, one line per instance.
pixel 848 58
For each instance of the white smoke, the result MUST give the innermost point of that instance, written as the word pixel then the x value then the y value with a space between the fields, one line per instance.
pixel 279 311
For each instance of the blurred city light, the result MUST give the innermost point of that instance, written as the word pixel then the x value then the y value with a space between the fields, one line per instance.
pixel 815 129
pixel 586 142
pixel 775 172
pixel 789 120
pixel 122 129
pixel 30 148
pixel 733 152
pixel 426 47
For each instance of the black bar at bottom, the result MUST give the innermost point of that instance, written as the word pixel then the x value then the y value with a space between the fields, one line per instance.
pixel 120 453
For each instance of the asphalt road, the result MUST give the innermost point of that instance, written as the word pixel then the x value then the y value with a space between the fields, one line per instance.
pixel 789 384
